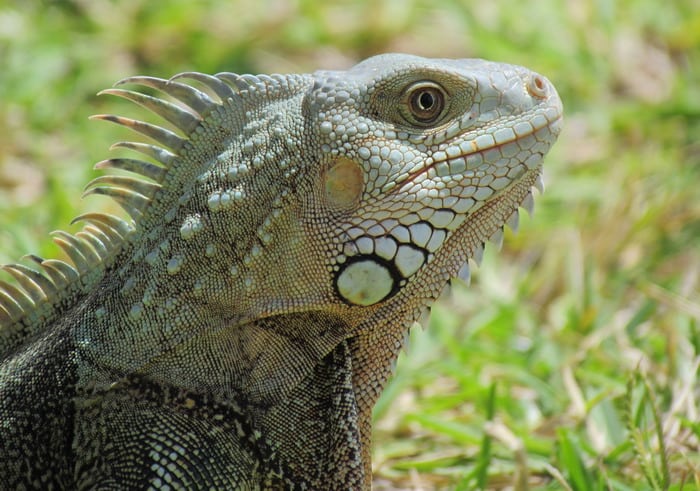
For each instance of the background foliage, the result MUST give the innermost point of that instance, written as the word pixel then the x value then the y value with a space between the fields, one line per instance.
pixel 572 360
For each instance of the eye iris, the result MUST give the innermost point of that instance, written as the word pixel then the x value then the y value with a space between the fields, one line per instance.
pixel 426 104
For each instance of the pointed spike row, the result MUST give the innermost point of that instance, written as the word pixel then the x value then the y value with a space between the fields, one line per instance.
pixel 75 249
pixel 222 90
pixel 156 133
pixel 35 284
pixel 181 119
pixel 406 340
pixel 15 300
pixel 528 204
pixel 478 254
pixel 62 268
pixel 157 153
pixel 465 274
pixel 141 167
pixel 497 238
pixel 92 253
pixel 539 183
pixel 514 221
pixel 268 82
pixel 231 79
pixel 265 79
pixel 9 304
pixel 110 224
pixel 28 287
pixel 424 317
pixel 131 201
pixel 100 248
pixel 197 100
pixel 103 237
pixel 56 277
pixel 243 83
pixel 144 188
pixel 251 82
pixel 5 318
pixel 446 290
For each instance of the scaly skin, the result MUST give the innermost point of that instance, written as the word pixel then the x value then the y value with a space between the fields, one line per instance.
pixel 285 237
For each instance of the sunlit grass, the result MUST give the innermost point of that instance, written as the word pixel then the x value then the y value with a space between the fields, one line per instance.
pixel 571 362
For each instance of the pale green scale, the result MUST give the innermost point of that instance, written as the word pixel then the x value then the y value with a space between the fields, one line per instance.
pixel 174 264
pixel 365 282
pixel 136 311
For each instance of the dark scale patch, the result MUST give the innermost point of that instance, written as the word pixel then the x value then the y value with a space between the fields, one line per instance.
pixel 141 433
pixel 324 409
pixel 37 416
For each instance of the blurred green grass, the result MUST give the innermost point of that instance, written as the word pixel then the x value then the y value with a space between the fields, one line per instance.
pixel 572 360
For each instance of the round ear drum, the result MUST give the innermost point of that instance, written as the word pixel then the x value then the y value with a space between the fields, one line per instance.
pixel 344 183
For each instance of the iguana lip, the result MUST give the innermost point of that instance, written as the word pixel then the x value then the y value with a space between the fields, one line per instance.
pixel 464 166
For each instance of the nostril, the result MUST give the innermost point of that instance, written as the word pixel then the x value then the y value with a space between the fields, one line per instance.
pixel 537 86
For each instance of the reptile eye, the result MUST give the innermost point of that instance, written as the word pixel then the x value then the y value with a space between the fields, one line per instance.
pixel 426 102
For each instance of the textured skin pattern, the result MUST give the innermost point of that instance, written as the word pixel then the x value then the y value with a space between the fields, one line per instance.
pixel 286 231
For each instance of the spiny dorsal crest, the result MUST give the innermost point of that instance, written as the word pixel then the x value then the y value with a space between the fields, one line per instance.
pixel 31 302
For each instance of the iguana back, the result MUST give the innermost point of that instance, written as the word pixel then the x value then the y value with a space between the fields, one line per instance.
pixel 285 233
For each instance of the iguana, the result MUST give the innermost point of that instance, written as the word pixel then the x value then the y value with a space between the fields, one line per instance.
pixel 285 232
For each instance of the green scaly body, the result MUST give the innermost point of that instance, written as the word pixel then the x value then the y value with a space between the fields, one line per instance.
pixel 285 233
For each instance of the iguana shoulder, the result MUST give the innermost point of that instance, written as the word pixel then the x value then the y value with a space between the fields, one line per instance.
pixel 284 233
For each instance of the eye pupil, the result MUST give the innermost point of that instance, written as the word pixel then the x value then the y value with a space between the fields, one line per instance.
pixel 425 101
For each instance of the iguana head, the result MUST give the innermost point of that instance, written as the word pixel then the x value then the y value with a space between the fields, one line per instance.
pixel 411 151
